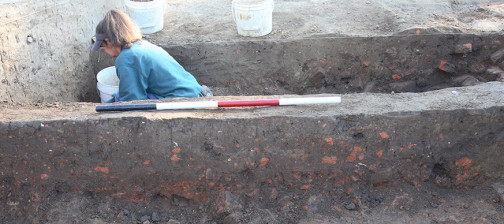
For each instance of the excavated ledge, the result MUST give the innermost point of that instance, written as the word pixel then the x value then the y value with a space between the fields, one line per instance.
pixel 378 155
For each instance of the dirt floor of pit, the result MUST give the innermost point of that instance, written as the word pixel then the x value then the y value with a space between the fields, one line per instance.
pixel 484 95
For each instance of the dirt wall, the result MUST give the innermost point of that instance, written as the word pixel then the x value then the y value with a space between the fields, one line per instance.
pixel 223 166
pixel 45 49
pixel 417 60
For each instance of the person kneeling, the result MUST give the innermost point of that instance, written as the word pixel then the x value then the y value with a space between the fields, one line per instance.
pixel 145 71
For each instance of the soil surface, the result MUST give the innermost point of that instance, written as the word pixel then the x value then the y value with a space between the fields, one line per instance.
pixel 192 21
pixel 484 95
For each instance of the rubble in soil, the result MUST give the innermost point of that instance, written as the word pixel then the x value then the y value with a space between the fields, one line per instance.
pixel 397 202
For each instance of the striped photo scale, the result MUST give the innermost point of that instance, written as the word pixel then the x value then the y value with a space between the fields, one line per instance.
pixel 218 104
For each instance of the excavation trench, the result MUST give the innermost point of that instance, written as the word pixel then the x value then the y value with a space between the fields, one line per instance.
pixel 412 61
pixel 417 138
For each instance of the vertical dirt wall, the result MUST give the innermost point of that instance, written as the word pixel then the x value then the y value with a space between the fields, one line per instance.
pixel 133 159
pixel 413 61
pixel 45 49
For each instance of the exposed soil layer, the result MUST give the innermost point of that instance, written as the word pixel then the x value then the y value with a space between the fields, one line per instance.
pixel 407 157
pixel 417 61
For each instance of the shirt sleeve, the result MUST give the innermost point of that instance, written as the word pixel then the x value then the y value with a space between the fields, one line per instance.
pixel 132 85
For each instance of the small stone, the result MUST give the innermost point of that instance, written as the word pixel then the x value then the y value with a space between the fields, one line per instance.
pixel 466 80
pixel 30 39
pixel 497 56
pixel 499 187
pixel 232 219
pixel 392 51
pixel 401 87
pixel 351 206
pixel 421 82
pixel 263 216
pixel 126 212
pixel 144 218
pixel 478 67
pixel 496 71
pixel 501 65
pixel 380 177
pixel 466 20
pixel 156 217
pixel 173 222
pixel 233 202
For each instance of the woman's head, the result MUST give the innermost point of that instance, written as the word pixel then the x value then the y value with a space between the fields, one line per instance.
pixel 117 29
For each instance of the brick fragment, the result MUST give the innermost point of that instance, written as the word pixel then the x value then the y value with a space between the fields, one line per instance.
pixel 329 141
pixel 264 162
pixel 384 135
pixel 379 154
pixel 465 163
pixel 396 77
pixel 175 158
pixel 447 67
pixel 463 48
pixel 44 176
pixel 102 169
pixel 329 160
pixel 352 157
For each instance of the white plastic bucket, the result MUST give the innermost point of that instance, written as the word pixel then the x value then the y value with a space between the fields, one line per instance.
pixel 108 83
pixel 253 17
pixel 149 16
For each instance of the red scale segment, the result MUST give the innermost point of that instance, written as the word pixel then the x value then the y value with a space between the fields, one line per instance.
pixel 249 103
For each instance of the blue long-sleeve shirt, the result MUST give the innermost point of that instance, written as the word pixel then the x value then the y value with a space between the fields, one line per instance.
pixel 148 69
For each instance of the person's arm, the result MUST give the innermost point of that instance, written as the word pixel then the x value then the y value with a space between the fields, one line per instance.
pixel 131 85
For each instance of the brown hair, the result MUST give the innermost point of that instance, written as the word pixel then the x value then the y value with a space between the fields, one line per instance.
pixel 119 28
